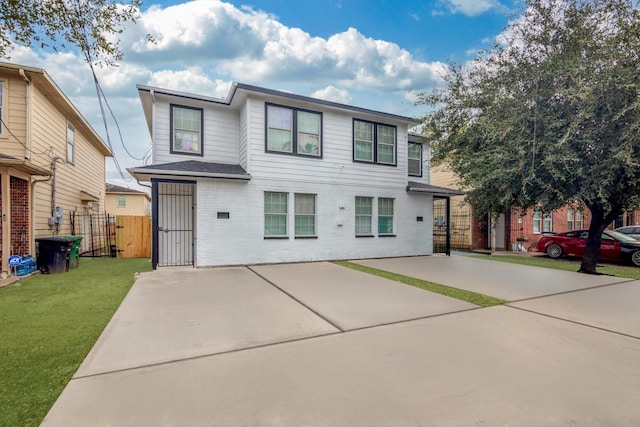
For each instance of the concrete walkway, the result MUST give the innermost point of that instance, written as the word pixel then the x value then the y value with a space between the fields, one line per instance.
pixel 320 345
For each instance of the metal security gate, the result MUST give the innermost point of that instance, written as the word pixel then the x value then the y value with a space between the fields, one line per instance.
pixel 441 227
pixel 173 223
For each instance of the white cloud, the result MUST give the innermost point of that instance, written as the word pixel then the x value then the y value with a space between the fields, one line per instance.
pixel 332 93
pixel 204 45
pixel 252 46
pixel 470 7
pixel 192 80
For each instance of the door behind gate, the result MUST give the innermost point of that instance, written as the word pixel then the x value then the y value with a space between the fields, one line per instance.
pixel 175 224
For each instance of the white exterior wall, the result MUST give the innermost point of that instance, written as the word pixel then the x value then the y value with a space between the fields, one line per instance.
pixel 220 133
pixel 240 239
pixel 237 136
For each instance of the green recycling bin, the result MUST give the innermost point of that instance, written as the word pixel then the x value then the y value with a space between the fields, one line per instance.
pixel 74 256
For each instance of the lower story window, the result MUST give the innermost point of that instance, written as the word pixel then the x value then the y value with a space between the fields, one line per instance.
pixel 305 215
pixel 574 219
pixel 385 216
pixel 364 211
pixel 275 214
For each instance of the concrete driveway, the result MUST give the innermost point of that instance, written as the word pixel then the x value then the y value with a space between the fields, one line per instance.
pixel 321 345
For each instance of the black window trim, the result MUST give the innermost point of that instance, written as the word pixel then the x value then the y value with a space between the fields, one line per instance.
pixel 421 150
pixel 171 136
pixel 294 140
pixel 375 143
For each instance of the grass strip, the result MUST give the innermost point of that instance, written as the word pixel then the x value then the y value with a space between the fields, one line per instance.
pixel 48 324
pixel 461 294
pixel 565 264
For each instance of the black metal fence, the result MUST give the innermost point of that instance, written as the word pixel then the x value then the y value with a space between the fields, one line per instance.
pixel 98 233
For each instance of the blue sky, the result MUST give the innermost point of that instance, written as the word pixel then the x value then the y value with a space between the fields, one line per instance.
pixel 372 54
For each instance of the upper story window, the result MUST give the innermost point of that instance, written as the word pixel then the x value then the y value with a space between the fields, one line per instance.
pixel 71 142
pixel 374 142
pixel 186 130
pixel 122 201
pixel 415 159
pixel 293 131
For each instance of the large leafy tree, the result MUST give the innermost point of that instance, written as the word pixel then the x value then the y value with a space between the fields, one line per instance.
pixel 89 25
pixel 550 115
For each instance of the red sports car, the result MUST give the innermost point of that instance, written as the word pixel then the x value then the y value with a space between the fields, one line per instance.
pixel 614 246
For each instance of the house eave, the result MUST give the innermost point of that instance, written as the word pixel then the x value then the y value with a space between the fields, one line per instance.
pixel 148 174
pixel 416 187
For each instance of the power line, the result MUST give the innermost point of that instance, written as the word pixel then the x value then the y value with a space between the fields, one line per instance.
pixel 49 152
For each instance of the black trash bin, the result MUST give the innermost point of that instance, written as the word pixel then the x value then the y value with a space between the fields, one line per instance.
pixel 53 254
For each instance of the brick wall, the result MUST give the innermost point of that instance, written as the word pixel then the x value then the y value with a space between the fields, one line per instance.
pixel 19 216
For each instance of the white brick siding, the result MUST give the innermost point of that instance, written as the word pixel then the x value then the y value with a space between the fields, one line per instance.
pixel 240 239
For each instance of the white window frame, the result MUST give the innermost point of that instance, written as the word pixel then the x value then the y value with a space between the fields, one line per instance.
pixel 122 201
pixel 574 219
pixel 305 215
pixel 369 216
pixel 284 214
pixel 537 221
pixel 187 131
pixel 547 222
pixel 71 143
pixel 414 159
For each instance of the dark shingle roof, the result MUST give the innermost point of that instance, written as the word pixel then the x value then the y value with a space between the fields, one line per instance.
pixel 193 168
pixel 432 189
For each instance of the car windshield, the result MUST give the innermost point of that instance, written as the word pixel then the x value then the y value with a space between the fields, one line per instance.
pixel 620 236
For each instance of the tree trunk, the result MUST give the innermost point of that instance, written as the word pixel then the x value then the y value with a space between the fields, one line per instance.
pixel 599 221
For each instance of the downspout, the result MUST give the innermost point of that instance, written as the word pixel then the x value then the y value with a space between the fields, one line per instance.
pixel 53 191
pixel 28 113
pixel 32 216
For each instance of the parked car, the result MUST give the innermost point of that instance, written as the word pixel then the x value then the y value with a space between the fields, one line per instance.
pixel 614 246
pixel 630 230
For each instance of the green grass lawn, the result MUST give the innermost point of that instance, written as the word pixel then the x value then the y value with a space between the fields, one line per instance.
pixel 450 291
pixel 565 264
pixel 48 324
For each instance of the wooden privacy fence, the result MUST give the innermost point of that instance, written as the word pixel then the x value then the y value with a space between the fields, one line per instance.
pixel 133 236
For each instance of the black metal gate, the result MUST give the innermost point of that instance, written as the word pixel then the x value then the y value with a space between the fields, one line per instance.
pixel 98 231
pixel 441 230
pixel 173 223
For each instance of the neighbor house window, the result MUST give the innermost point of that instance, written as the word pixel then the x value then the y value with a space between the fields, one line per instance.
pixel 293 131
pixel 71 142
pixel 305 215
pixel 547 223
pixel 537 221
pixel 364 213
pixel 574 219
pixel 275 214
pixel 122 201
pixel 385 216
pixel 415 159
pixel 186 130
pixel 374 142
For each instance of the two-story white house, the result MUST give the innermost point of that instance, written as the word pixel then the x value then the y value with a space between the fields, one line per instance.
pixel 265 176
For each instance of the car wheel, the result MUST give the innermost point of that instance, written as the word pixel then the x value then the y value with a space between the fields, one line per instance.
pixel 555 251
pixel 635 258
